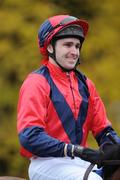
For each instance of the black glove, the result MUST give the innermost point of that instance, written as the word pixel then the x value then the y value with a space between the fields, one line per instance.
pixel 106 152
pixel 87 154
pixel 111 151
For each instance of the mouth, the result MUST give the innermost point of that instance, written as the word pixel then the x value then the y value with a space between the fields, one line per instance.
pixel 72 60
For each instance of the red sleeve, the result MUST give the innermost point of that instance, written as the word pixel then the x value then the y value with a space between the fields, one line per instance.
pixel 33 101
pixel 99 119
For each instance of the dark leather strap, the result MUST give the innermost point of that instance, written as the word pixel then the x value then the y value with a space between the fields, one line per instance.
pixel 87 172
pixel 105 163
pixel 110 162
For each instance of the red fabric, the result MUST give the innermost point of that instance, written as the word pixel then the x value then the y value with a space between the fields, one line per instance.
pixel 96 119
pixel 36 109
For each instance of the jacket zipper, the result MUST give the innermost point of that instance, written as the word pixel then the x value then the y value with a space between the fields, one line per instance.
pixel 68 75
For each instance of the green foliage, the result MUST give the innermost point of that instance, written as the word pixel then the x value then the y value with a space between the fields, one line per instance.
pixel 85 9
pixel 19 55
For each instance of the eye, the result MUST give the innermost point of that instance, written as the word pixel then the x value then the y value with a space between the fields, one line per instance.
pixel 78 46
pixel 68 44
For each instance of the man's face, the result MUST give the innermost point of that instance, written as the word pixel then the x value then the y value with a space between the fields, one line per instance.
pixel 67 52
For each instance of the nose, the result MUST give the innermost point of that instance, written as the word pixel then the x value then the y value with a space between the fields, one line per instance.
pixel 75 50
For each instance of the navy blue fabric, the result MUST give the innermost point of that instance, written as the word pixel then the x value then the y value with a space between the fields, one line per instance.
pixel 72 127
pixel 62 108
pixel 36 141
pixel 44 31
pixel 103 136
pixel 99 172
pixel 83 90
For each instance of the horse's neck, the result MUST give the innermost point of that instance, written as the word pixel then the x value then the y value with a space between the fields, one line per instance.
pixel 116 175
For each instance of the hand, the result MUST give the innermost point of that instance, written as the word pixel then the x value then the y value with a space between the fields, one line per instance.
pixel 87 154
pixel 111 151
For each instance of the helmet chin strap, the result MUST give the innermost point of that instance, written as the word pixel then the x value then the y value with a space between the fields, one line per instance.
pixel 53 56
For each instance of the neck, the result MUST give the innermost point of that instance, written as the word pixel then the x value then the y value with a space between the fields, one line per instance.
pixel 59 65
pixel 52 61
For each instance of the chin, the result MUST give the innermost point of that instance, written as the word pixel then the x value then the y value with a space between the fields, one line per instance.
pixel 70 67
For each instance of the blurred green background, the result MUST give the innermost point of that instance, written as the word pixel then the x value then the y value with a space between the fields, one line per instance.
pixel 19 55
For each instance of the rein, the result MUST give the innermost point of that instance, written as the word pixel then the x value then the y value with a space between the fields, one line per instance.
pixel 104 163
pixel 110 162
pixel 88 170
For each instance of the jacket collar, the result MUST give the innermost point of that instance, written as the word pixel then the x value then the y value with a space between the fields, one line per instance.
pixel 57 71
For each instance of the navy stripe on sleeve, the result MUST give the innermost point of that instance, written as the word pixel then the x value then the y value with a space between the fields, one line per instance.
pixel 36 141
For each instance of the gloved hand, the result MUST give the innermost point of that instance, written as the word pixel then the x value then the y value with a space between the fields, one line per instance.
pixel 107 151
pixel 87 154
pixel 111 151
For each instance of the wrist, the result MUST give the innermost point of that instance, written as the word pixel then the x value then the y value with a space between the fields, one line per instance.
pixel 69 150
pixel 73 150
pixel 78 150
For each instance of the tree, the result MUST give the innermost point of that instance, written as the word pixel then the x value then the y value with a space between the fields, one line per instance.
pixel 19 55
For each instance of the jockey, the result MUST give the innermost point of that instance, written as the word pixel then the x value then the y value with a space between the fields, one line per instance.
pixel 58 106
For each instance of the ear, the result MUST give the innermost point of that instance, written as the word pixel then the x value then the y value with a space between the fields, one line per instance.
pixel 50 48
